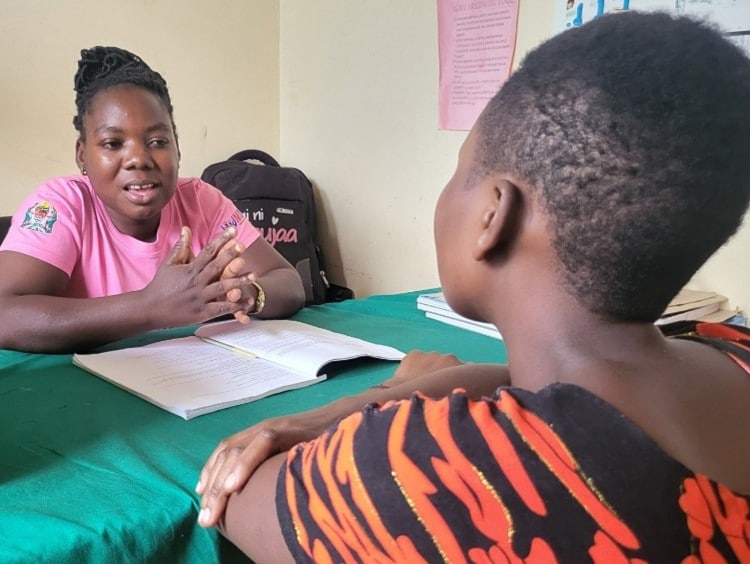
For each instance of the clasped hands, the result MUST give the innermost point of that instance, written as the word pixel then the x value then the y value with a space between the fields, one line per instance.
pixel 191 288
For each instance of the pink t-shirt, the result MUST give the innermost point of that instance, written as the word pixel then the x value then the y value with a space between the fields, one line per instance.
pixel 65 224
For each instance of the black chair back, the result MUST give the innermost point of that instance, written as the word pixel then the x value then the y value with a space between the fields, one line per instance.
pixel 4 226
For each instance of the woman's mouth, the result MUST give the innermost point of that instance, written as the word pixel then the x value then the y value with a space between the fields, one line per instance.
pixel 141 192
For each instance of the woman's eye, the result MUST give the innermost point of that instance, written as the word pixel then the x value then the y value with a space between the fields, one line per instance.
pixel 159 143
pixel 111 144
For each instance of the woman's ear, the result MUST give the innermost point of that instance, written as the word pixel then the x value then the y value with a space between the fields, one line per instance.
pixel 499 219
pixel 79 156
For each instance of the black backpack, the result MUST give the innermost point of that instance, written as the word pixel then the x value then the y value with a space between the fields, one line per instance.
pixel 279 202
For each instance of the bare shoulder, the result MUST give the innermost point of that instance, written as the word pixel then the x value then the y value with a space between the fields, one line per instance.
pixel 699 412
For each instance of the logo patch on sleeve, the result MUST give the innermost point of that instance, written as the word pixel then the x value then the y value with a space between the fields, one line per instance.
pixel 40 217
pixel 235 219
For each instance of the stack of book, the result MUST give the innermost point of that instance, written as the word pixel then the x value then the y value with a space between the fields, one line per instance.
pixel 435 307
pixel 695 305
pixel 687 305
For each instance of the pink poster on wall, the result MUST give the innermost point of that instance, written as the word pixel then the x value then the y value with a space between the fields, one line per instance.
pixel 476 42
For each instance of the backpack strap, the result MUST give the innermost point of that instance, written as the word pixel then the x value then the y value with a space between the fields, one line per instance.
pixel 255 154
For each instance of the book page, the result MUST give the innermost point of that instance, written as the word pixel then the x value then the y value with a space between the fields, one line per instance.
pixel 190 376
pixel 434 300
pixel 691 299
pixel 465 323
pixel 299 346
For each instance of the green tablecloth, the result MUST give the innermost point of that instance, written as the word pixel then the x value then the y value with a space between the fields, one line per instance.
pixel 91 473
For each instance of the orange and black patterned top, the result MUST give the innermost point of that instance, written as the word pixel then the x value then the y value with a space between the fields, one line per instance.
pixel 553 476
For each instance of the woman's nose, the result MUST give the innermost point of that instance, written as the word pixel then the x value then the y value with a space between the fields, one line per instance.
pixel 139 156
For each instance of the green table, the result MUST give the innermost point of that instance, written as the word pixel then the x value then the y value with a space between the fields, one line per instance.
pixel 91 473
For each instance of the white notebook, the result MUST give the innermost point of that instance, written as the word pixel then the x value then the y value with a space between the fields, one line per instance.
pixel 227 364
pixel 435 307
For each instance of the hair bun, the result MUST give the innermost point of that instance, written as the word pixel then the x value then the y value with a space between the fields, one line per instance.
pixel 100 68
pixel 98 62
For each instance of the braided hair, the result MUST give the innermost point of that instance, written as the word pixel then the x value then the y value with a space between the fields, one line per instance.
pixel 100 68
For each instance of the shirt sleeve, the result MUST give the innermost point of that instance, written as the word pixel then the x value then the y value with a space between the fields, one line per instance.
pixel 47 225
pixel 556 475
pixel 401 482
pixel 222 213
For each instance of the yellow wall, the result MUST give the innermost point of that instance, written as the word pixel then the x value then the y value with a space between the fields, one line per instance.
pixel 359 115
pixel 345 90
pixel 220 60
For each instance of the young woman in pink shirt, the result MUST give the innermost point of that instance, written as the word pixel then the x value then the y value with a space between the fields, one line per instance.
pixel 127 246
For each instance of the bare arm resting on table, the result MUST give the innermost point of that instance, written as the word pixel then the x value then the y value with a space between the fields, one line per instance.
pixel 35 317
pixel 238 483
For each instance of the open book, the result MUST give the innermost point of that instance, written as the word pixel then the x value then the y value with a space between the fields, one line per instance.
pixel 227 364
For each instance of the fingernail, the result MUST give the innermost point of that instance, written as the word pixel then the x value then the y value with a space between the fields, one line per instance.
pixel 204 515
pixel 230 482
pixel 198 486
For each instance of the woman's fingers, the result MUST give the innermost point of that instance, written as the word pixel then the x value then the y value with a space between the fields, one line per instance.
pixel 228 470
pixel 218 253
pixel 180 252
